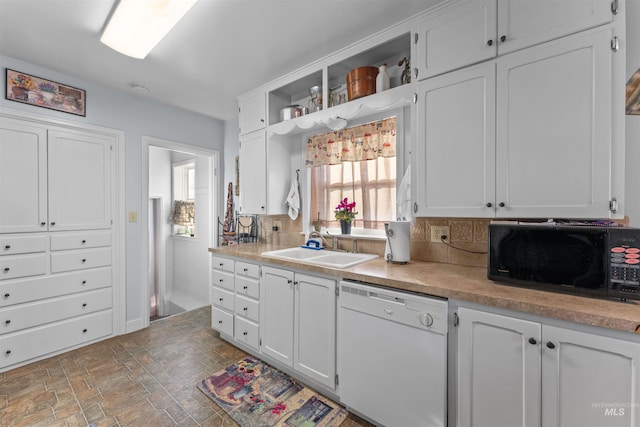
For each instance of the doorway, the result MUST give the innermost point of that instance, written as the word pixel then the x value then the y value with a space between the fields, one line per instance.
pixel 178 265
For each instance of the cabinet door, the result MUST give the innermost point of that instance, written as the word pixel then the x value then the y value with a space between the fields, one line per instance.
pixel 455 36
pixel 252 114
pixel 554 132
pixel 498 370
pixel 315 328
pixel 253 174
pixel 276 314
pixel 23 177
pixel 79 181
pixel 455 147
pixel 589 380
pixel 523 23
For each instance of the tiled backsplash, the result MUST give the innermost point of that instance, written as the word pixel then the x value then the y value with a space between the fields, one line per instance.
pixel 467 234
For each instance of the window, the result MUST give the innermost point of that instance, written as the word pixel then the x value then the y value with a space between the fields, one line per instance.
pixel 358 163
pixel 183 212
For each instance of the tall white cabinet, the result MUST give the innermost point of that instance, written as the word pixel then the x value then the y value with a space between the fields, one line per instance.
pixel 57 238
pixel 513 371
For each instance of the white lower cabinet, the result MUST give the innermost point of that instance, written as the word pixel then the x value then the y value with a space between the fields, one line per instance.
pixel 515 372
pixel 298 322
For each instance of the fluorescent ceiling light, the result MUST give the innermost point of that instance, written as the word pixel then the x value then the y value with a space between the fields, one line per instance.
pixel 138 25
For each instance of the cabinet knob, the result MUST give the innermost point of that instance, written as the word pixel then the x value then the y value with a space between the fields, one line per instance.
pixel 262 207
pixel 84 331
pixel 84 241
pixel 501 204
pixel 245 309
pixel 503 38
pixel 7 295
pixel 221 299
pixel 84 282
pixel 6 322
pixel 6 269
pixel 84 260
pixel 221 280
pixel 489 42
pixel 489 204
pixel 53 223
pixel 42 224
pixel 245 269
pixel 84 305
pixel 289 281
pixel 245 287
pixel 245 333
pixel 532 340
pixel 261 120
pixel 219 322
pixel 8 352
pixel 221 264
pixel 7 246
pixel 550 345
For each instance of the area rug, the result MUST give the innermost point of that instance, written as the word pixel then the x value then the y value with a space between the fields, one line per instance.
pixel 255 394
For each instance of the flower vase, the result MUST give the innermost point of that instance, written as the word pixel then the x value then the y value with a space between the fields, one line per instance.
pixel 345 226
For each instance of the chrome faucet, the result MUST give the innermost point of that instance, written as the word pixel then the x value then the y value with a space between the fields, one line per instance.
pixel 334 246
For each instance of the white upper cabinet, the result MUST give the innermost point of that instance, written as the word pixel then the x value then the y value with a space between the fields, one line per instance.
pixel 252 113
pixel 469 31
pixel 23 177
pixel 455 152
pixel 253 174
pixel 554 129
pixel 79 181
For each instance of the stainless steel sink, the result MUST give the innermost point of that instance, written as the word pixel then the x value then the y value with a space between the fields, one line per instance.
pixel 320 257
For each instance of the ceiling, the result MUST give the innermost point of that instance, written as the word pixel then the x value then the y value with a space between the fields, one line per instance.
pixel 220 49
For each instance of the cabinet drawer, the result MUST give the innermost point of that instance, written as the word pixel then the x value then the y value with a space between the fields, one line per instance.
pixel 76 260
pixel 246 269
pixel 248 287
pixel 12 267
pixel 37 342
pixel 13 245
pixel 223 264
pixel 80 240
pixel 222 298
pixel 51 310
pixel 248 308
pixel 222 321
pixel 25 290
pixel 247 332
pixel 223 280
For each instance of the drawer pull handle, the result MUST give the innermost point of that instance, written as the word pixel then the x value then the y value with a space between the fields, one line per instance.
pixel 221 299
pixel 245 269
pixel 84 282
pixel 245 287
pixel 8 352
pixel 84 331
pixel 222 264
pixel 7 295
pixel 246 308
pixel 84 260
pixel 43 223
pixel 219 322
pixel 53 223
pixel 84 305
pixel 245 333
pixel 84 241
pixel 6 322
pixel 7 247
pixel 6 269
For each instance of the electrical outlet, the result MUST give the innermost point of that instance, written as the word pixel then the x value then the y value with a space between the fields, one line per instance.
pixel 133 216
pixel 277 225
pixel 437 231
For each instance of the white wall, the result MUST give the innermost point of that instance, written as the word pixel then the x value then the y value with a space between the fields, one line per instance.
pixel 136 116
pixel 231 150
pixel 633 122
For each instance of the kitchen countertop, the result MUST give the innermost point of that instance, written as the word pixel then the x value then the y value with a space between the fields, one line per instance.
pixel 464 283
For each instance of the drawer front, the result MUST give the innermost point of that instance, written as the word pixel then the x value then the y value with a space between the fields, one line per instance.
pixel 247 269
pixel 223 280
pixel 51 310
pixel 222 321
pixel 21 346
pixel 247 332
pixel 80 240
pixel 14 245
pixel 25 290
pixel 222 298
pixel 15 266
pixel 248 308
pixel 248 287
pixel 77 260
pixel 223 264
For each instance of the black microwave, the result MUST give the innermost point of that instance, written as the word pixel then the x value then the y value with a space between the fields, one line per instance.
pixel 587 260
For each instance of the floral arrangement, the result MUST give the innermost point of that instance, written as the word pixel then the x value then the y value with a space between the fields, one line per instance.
pixel 345 210
pixel 47 87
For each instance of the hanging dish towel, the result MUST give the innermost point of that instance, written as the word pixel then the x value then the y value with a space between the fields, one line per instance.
pixel 293 200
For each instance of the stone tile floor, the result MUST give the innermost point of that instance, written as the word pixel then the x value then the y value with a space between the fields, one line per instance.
pixel 146 378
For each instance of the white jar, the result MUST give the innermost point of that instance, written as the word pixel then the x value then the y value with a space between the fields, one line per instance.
pixel 382 79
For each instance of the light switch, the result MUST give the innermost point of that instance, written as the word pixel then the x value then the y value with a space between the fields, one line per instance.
pixel 133 216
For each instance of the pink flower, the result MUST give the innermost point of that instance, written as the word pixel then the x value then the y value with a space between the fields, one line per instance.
pixel 345 210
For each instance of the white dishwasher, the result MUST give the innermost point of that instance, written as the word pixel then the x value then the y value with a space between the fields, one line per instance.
pixel 392 361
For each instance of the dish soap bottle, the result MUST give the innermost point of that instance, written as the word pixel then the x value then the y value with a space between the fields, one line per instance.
pixel 382 79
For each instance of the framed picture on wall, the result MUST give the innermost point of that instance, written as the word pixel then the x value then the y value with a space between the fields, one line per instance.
pixel 28 89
